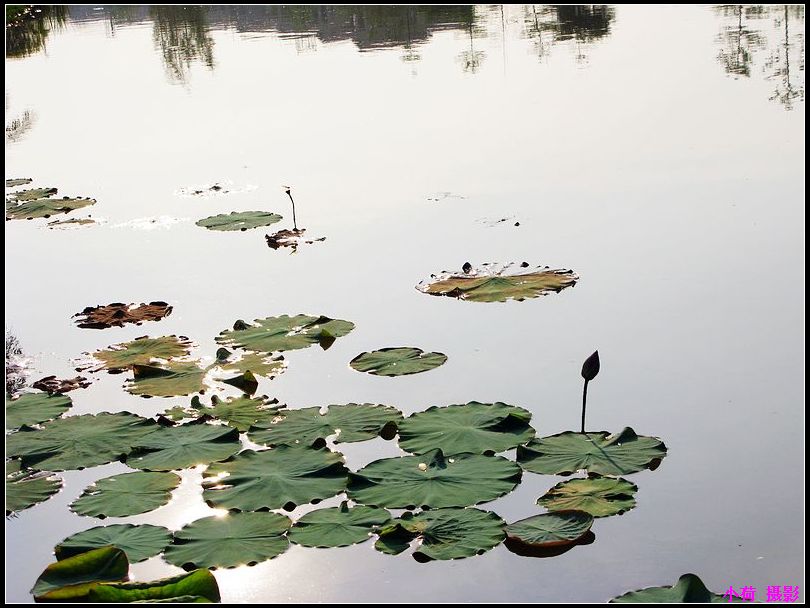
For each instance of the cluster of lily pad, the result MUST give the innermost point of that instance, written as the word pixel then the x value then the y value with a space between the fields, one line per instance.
pixel 35 203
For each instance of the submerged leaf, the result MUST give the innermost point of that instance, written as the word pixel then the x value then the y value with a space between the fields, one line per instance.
pixel 28 487
pixel 356 422
pixel 498 284
pixel 599 496
pixel 229 541
pixel 34 408
pixel 199 585
pixel 282 477
pixel 172 379
pixel 283 333
pixel 565 453
pixel 54 386
pixel 239 220
pixel 431 480
pixel 138 542
pixel 117 314
pixel 473 428
pixel 142 351
pixel 397 361
pixel 126 494
pixel 688 590
pixel 338 526
pixel 184 446
pixel 71 579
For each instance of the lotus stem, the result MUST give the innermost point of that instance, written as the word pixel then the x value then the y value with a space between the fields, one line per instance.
pixel 584 399
pixel 295 226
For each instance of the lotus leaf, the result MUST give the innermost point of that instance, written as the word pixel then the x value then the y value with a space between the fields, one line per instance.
pixel 172 379
pixel 138 542
pixel 339 526
pixel 290 238
pixel 53 385
pixel 599 496
pixel 245 382
pixel 27 487
pixel 117 314
pixel 432 480
pixel 499 285
pixel 355 422
pixel 445 533
pixel 184 446
pixel 34 408
pixel 470 428
pixel 282 477
pixel 550 529
pixel 284 333
pixel 397 361
pixel 256 363
pixel 601 453
pixel 688 590
pixel 230 541
pixel 29 209
pixel 239 220
pixel 126 494
pixel 239 412
pixel 141 351
pixel 199 585
pixel 71 579
pixel 20 181
pixel 32 194
pixel 77 442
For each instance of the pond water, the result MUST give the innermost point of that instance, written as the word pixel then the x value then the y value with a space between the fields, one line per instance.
pixel 656 151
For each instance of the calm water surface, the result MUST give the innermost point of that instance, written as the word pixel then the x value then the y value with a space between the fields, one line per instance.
pixel 657 151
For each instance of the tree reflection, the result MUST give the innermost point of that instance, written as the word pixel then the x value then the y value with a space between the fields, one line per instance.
pixel 181 34
pixel 27 33
pixel 582 24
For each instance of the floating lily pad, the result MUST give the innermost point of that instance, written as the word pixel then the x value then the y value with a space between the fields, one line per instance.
pixel 599 496
pixel 499 284
pixel 71 579
pixel 284 333
pixel 550 529
pixel 190 587
pixel 445 533
pixel 432 480
pixel 184 446
pixel 282 477
pixel 230 541
pixel 239 220
pixel 355 422
pixel 28 209
pixel 470 428
pixel 172 379
pixel 34 408
pixel 256 363
pixel 27 487
pixel 688 590
pixel 20 181
pixel 32 194
pixel 117 314
pixel 245 382
pixel 53 385
pixel 126 494
pixel 602 453
pixel 142 351
pixel 138 542
pixel 239 412
pixel 397 361
pixel 339 526
pixel 77 442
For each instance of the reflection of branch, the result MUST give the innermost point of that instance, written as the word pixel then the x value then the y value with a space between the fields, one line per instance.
pixel 19 127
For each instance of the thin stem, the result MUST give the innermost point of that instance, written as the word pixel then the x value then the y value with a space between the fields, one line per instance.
pixel 295 226
pixel 584 399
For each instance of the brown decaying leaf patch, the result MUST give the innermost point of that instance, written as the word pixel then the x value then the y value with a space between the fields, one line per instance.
pixel 289 238
pixel 117 314
pixel 53 385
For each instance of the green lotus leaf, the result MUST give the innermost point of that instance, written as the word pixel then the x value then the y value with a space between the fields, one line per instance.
pixel 356 422
pixel 239 220
pixel 184 446
pixel 239 412
pixel 27 487
pixel 172 379
pixel 19 181
pixel 499 285
pixel 256 363
pixel 601 453
pixel 550 529
pixel 178 412
pixel 32 194
pixel 338 526
pixel 34 408
pixel 141 351
pixel 599 496
pixel 445 533
pixel 44 207
pixel 688 590
pixel 397 361
pixel 180 599
pixel 229 541
pixel 77 442
pixel 71 579
pixel 271 479
pixel 432 480
pixel 138 542
pixel 470 428
pixel 189 587
pixel 126 494
pixel 284 333
pixel 245 382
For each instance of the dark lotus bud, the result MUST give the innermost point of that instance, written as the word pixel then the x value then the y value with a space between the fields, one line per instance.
pixel 591 367
pixel 467 268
